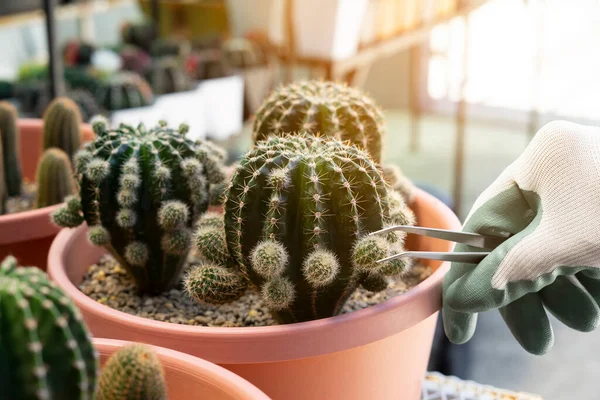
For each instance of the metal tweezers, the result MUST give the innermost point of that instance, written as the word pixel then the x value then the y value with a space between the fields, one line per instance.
pixel 472 239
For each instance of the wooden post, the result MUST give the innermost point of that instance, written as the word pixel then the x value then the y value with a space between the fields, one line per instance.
pixel 461 122
pixel 57 86
pixel 414 106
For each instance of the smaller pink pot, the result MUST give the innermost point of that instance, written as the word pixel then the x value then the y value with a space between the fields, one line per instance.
pixel 28 235
pixel 191 377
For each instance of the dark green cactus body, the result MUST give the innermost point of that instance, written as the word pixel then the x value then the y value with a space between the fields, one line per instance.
pixel 315 198
pixel 141 190
pixel 10 145
pixel 132 373
pixel 54 178
pixel 62 126
pixel 322 108
pixel 124 90
pixel 45 348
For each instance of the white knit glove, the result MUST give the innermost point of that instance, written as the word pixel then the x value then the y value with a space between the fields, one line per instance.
pixel 548 202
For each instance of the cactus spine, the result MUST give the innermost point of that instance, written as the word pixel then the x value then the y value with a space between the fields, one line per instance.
pixel 54 178
pixel 141 189
pixel 10 145
pixel 62 121
pixel 45 348
pixel 134 373
pixel 322 108
pixel 297 214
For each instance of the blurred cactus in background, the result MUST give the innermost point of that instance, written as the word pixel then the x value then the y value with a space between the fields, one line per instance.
pixel 62 126
pixel 322 108
pixel 10 149
pixel 124 90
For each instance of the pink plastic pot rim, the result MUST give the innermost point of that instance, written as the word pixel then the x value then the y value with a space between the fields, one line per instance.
pixel 218 376
pixel 31 224
pixel 286 342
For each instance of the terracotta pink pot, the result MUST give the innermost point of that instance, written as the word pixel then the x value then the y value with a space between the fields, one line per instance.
pixel 376 353
pixel 191 377
pixel 28 235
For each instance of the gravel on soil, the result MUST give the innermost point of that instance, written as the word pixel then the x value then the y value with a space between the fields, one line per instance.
pixel 25 201
pixel 108 283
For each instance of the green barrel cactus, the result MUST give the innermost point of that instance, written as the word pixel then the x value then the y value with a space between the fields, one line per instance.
pixel 124 90
pixel 297 216
pixel 167 76
pixel 141 190
pixel 322 108
pixel 62 126
pixel 134 373
pixel 54 178
pixel 10 145
pixel 45 347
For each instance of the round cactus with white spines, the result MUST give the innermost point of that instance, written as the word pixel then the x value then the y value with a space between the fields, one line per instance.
pixel 141 190
pixel 297 216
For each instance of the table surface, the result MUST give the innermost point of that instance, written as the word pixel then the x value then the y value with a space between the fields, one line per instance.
pixel 439 387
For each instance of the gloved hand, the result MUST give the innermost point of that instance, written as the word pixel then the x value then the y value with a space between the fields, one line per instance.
pixel 548 203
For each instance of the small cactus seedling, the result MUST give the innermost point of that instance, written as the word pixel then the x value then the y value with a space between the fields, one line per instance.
pixel 141 189
pixel 10 144
pixel 62 122
pixel 124 90
pixel 134 373
pixel 45 347
pixel 54 178
pixel 322 108
pixel 297 216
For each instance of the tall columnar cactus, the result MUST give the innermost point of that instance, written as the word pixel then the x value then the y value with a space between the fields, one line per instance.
pixel 134 373
pixel 10 145
pixel 297 214
pixel 141 190
pixel 323 108
pixel 62 122
pixel 124 90
pixel 45 347
pixel 54 178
